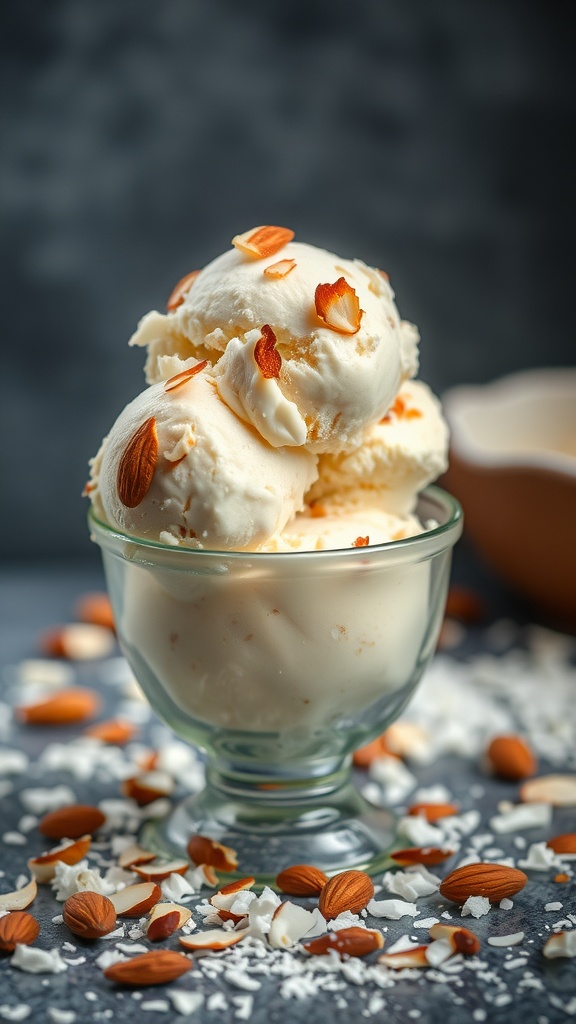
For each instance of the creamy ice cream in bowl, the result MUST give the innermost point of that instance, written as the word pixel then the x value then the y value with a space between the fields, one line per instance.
pixel 275 553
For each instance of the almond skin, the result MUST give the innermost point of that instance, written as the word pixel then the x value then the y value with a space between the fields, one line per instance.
pixel 494 881
pixel 427 855
pixel 511 758
pixel 89 915
pixel 565 843
pixel 204 850
pixel 63 708
pixel 154 968
pixel 71 822
pixel 17 928
pixel 348 890
pixel 137 465
pixel 346 942
pixel 301 880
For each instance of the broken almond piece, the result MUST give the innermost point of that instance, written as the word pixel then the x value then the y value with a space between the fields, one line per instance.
pixel 116 731
pixel 226 896
pixel 89 915
pixel 137 465
pixel 494 881
pixel 213 938
pixel 158 872
pixel 560 944
pixel 155 968
pixel 65 707
pixel 427 855
pixel 262 241
pixel 338 306
pixel 348 890
pixel 19 899
pixel 347 942
pixel 72 822
pixel 564 843
pixel 96 609
pixel 184 376
pixel 415 957
pixel 136 900
pixel 433 812
pixel 180 291
pixel 558 790
pixel 165 919
pixel 135 855
pixel 561 878
pixel 203 850
pixel 301 880
pixel 78 641
pixel 43 868
pixel 17 929
pixel 461 939
pixel 266 355
pixel 148 786
pixel 279 269
pixel 511 758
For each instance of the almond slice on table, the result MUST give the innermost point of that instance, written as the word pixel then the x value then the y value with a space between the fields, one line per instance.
pixel 558 790
pixel 95 608
pixel 262 241
pixel 116 731
pixel 43 868
pixel 461 939
pixel 427 855
pixel 338 306
pixel 89 914
pixel 19 899
pixel 155 968
pixel 78 641
pixel 280 269
pixel 184 376
pixel 415 957
pixel 17 929
pixel 301 880
pixel 213 938
pixel 510 757
pixel 348 890
pixel 363 756
pixel 347 942
pixel 404 739
pixel 135 855
pixel 560 944
pixel 136 900
pixel 72 822
pixel 158 872
pixel 65 707
pixel 137 464
pixel 203 850
pixel 180 291
pixel 564 843
pixel 166 918
pixel 148 786
pixel 433 812
pixel 494 881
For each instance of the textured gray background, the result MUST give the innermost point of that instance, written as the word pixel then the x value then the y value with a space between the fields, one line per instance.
pixel 434 139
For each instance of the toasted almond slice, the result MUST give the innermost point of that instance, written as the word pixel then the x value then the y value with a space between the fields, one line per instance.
pixel 20 898
pixel 17 929
pixel 558 790
pixel 116 731
pixel 415 957
pixel 214 938
pixel 433 812
pixel 165 919
pixel 203 850
pixel 564 843
pixel 226 896
pixel 180 291
pixel 338 306
pixel 155 968
pixel 266 355
pixel 148 786
pixel 72 822
pixel 135 855
pixel 184 376
pixel 279 269
pixel 136 900
pixel 43 868
pixel 78 641
pixel 421 855
pixel 137 464
pixel 74 704
pixel 95 608
pixel 158 872
pixel 263 241
pixel 347 942
pixel 461 939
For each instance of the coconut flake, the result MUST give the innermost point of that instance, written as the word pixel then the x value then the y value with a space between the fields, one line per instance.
pixel 477 906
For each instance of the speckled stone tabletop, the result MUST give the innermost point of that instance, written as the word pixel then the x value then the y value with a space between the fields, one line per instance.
pixel 501 674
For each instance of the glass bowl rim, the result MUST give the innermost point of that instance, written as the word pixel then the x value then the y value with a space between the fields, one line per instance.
pixel 428 542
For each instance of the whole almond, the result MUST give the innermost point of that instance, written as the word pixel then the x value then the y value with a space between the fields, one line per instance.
pixel 565 843
pixel 137 465
pixel 301 880
pixel 433 812
pixel 17 929
pixel 75 704
pixel 89 915
pixel 154 968
pixel 349 890
pixel 511 758
pixel 71 822
pixel 494 881
pixel 347 941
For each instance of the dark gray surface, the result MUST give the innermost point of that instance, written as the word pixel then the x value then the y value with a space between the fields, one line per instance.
pixel 434 140
pixel 34 600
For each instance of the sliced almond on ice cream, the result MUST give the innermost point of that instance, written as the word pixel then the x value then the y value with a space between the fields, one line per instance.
pixel 263 241
pixel 280 269
pixel 180 291
pixel 137 465
pixel 266 355
pixel 184 376
pixel 338 306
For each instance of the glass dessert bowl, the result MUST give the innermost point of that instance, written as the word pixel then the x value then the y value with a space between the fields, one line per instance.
pixel 278 666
